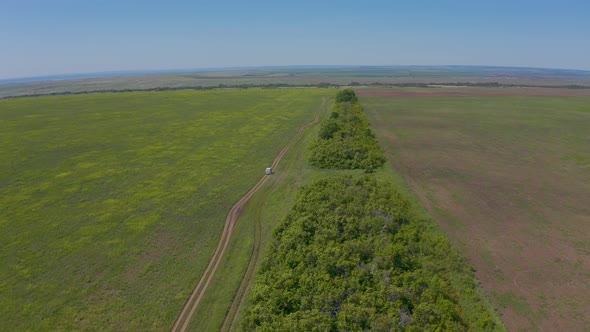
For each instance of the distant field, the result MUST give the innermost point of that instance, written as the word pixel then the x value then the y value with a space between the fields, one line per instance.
pixel 508 179
pixel 111 204
pixel 295 76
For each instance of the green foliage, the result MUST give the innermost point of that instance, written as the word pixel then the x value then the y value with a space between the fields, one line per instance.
pixel 346 140
pixel 351 255
pixel 329 128
pixel 346 96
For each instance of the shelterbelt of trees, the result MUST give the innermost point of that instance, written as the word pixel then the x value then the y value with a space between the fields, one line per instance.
pixel 346 140
pixel 352 256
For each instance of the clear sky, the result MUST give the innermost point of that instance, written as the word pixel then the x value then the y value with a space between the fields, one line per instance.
pixel 51 37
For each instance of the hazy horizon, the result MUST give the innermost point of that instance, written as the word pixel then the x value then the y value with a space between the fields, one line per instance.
pixel 66 37
pixel 173 71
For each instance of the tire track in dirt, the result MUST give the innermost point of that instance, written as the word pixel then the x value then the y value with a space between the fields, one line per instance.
pixel 191 305
pixel 255 256
pixel 232 313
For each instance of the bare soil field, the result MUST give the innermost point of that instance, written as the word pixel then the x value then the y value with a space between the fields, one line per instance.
pixel 506 174
pixel 473 92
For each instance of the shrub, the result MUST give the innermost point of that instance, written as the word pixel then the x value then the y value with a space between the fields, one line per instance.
pixel 346 96
pixel 346 140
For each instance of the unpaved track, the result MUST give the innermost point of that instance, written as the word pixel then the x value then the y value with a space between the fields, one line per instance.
pixel 191 305
pixel 232 314
pixel 239 298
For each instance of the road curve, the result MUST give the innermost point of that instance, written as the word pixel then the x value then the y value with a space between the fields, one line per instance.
pixel 191 305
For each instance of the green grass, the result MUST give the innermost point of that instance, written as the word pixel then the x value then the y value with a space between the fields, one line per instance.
pixel 112 204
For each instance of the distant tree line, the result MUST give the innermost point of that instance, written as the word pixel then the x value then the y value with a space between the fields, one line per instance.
pixel 352 256
pixel 345 140
pixel 177 88
pixel 318 85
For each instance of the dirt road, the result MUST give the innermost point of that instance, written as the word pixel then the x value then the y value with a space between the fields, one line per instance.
pixel 191 305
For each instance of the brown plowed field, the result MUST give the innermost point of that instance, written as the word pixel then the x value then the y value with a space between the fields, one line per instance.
pixel 506 173
pixel 472 92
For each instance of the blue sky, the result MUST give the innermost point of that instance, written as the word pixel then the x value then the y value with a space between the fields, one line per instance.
pixel 77 36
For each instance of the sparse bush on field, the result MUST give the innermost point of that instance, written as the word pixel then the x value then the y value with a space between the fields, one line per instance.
pixel 346 96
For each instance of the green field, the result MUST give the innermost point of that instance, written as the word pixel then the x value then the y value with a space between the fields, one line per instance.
pixel 111 204
pixel 508 179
